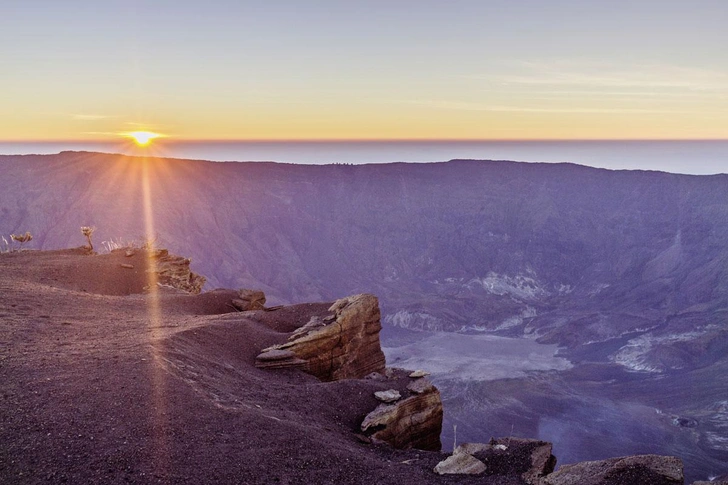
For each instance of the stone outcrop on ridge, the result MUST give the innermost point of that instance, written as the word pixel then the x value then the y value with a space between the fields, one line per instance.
pixel 412 422
pixel 342 345
pixel 175 271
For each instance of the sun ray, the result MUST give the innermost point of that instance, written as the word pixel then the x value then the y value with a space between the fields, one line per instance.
pixel 159 390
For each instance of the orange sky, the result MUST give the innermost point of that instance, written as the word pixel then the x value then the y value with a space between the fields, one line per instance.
pixel 402 70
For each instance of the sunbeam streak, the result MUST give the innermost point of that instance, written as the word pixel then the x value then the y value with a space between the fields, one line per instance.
pixel 160 416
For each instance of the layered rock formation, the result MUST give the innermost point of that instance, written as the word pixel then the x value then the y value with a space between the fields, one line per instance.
pixel 412 422
pixel 341 345
pixel 175 271
pixel 344 344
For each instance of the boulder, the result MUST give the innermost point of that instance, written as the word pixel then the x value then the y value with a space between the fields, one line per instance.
pixel 344 345
pixel 652 469
pixel 419 386
pixel 414 422
pixel 249 300
pixel 460 464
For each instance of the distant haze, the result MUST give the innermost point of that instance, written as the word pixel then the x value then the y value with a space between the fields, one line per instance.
pixel 699 157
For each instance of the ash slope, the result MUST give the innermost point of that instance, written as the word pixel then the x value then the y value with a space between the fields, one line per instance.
pixel 100 386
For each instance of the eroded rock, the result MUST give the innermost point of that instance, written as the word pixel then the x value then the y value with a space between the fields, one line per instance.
pixel 345 348
pixel 652 469
pixel 175 271
pixel 414 422
pixel 249 300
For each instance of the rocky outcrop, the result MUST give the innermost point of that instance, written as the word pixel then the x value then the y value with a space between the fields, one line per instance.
pixel 341 345
pixel 249 300
pixel 530 459
pixel 175 271
pixel 652 469
pixel 412 422
pixel 344 344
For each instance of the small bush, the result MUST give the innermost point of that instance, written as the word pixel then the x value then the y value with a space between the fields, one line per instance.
pixel 88 232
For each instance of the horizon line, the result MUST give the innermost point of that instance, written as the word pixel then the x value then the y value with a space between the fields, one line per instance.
pixel 172 139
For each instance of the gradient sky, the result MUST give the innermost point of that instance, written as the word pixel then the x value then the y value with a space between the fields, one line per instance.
pixel 456 69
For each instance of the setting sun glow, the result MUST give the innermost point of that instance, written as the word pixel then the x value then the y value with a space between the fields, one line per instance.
pixel 143 138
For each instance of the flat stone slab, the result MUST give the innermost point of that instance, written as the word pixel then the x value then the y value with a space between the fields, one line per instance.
pixel 419 373
pixel 390 395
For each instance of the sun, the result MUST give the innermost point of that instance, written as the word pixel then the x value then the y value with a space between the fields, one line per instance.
pixel 143 138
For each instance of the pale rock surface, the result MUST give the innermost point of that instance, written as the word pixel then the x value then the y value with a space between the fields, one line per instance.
pixel 460 464
pixel 419 373
pixel 388 396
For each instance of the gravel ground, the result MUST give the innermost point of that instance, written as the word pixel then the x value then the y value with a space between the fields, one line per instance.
pixel 102 384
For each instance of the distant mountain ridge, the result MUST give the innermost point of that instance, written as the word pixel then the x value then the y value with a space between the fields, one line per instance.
pixel 517 248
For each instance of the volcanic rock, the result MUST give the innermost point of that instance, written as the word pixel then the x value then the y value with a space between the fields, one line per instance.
pixel 250 300
pixel 652 469
pixel 346 348
pixel 414 422
pixel 175 271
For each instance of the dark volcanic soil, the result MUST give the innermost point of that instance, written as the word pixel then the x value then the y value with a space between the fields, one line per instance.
pixel 101 386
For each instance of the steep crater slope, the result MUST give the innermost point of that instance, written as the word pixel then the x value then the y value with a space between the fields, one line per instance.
pixel 569 254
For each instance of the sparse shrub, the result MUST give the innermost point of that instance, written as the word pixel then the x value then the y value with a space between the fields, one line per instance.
pixel 88 232
pixel 142 242
pixel 118 243
pixel 22 238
